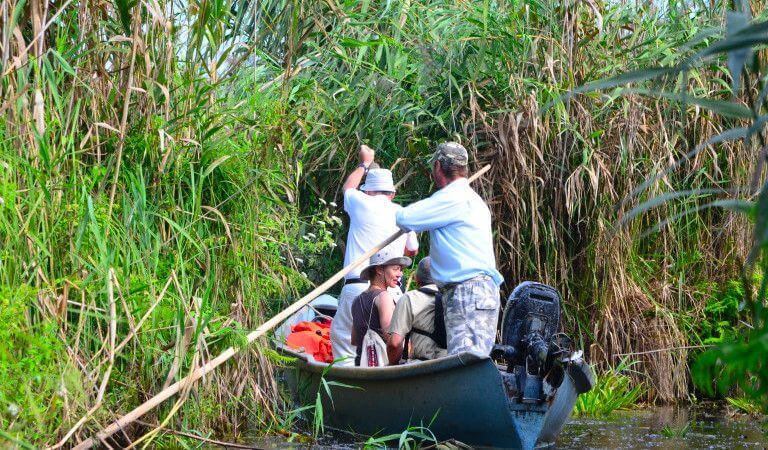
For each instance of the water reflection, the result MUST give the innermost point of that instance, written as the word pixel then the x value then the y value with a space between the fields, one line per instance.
pixel 665 428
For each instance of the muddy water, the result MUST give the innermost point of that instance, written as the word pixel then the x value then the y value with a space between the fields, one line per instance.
pixel 658 428
pixel 665 428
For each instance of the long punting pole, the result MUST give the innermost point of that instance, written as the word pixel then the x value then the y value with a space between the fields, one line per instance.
pixel 201 371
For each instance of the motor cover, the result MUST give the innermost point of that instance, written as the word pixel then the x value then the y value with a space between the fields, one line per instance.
pixel 533 309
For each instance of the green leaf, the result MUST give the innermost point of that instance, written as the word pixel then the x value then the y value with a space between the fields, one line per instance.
pixel 63 63
pixel 219 161
pixel 733 43
pixel 725 136
pixel 664 198
pixel 17 11
pixel 354 43
pixel 735 22
pixel 735 205
pixel 344 385
pixel 634 76
pixel 723 107
pixel 761 224
pixel 754 29
pixel 124 12
pixel 327 390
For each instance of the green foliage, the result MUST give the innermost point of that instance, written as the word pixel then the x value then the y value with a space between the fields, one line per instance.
pixel 676 432
pixel 413 437
pixel 721 315
pixel 736 364
pixel 739 361
pixel 745 405
pixel 614 390
pixel 384 73
pixel 318 418
pixel 320 231
pixel 39 382
pixel 184 216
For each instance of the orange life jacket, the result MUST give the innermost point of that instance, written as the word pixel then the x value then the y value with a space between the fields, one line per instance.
pixel 314 338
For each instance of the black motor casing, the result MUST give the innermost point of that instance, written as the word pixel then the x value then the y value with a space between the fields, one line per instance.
pixel 532 307
pixel 529 346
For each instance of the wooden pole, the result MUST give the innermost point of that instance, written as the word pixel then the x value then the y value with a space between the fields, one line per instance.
pixel 198 373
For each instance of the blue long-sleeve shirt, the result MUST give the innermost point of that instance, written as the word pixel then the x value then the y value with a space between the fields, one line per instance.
pixel 459 225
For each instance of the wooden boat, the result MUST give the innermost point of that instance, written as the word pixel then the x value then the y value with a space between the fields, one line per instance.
pixel 466 397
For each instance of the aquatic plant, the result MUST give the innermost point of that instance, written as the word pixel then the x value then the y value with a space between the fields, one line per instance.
pixel 318 418
pixel 745 405
pixel 386 75
pixel 39 379
pixel 150 220
pixel 614 390
pixel 413 437
pixel 676 432
pixel 723 316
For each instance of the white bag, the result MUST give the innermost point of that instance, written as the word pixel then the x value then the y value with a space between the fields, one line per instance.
pixel 374 352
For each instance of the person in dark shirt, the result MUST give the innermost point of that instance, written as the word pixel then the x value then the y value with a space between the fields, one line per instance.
pixel 373 308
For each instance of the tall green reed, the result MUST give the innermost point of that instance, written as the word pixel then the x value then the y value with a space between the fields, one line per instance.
pixel 160 163
pixel 403 75
pixel 737 362
pixel 152 216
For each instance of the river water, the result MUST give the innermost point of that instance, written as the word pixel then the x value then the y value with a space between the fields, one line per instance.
pixel 665 428
pixel 675 428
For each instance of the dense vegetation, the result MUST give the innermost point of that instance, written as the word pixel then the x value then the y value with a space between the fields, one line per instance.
pixel 170 175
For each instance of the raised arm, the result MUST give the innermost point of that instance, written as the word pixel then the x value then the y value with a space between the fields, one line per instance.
pixel 366 156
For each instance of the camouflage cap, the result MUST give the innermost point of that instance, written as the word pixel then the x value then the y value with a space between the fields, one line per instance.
pixel 451 153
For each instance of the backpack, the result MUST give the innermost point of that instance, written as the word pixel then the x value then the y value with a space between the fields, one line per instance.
pixel 374 352
pixel 374 349
pixel 439 334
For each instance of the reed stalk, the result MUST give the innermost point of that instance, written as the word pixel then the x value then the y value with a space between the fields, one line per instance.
pixel 178 163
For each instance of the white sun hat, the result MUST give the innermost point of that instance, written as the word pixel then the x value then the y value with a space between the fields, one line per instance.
pixel 385 257
pixel 378 180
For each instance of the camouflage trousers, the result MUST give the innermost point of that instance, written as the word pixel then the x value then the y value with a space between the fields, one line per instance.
pixel 471 315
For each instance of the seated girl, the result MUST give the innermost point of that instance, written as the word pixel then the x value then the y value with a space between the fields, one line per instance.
pixel 372 310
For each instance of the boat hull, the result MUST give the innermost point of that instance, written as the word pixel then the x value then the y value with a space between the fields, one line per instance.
pixel 458 397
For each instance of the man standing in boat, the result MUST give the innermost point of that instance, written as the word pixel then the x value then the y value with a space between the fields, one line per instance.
pixel 461 247
pixel 371 220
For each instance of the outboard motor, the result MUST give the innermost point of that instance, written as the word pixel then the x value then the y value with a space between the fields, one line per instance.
pixel 535 352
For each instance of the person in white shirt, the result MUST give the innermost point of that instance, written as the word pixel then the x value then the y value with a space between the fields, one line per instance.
pixel 461 247
pixel 371 220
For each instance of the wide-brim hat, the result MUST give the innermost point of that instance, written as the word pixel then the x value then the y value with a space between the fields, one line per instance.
pixel 385 257
pixel 399 261
pixel 378 180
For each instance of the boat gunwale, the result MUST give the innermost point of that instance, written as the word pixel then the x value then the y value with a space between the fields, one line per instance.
pixel 416 369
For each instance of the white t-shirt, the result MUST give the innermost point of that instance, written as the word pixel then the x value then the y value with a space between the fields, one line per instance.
pixel 371 220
